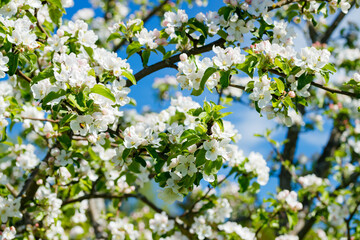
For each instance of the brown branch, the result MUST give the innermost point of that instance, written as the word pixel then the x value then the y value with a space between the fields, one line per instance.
pixel 322 167
pixel 11 190
pixel 328 89
pixel 237 86
pixel 41 119
pixel 120 197
pixel 146 18
pixel 21 74
pixel 333 90
pixel 174 59
pixel 30 187
pixel 39 25
pixel 155 10
pixel 325 38
pixel 348 220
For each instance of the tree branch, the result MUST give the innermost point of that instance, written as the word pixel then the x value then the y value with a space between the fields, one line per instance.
pixel 21 74
pixel 325 38
pixel 146 18
pixel 348 220
pixel 328 89
pixel 174 59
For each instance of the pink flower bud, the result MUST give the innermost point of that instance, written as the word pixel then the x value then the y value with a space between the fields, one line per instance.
pixel 183 57
pixel 165 23
pixel 234 3
pixel 39 182
pixel 156 33
pixel 292 94
pixel 60 32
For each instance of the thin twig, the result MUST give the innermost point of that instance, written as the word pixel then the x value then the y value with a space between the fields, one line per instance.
pixel 348 220
pixel 21 74
pixel 145 19
pixel 41 119
pixel 174 59
pixel 39 25
pixel 328 89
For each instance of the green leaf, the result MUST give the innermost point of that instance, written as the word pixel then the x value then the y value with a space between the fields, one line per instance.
pixel 200 157
pixel 113 36
pixel 329 67
pixel 303 80
pixel 89 51
pixel 103 91
pixel 244 183
pixel 46 73
pixel 132 48
pixel 208 72
pixel 225 79
pixel 134 167
pixel 145 56
pixel 13 63
pixel 126 153
pixel 55 15
pixel 65 141
pixel 140 160
pixel 129 76
pixel 52 96
pixel 56 3
pixel 78 101
pixel 280 85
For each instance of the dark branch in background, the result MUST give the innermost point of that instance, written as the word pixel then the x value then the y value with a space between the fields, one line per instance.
pixel 325 38
pixel 172 60
pixel 30 187
pixel 322 167
pixel 120 197
pixel 328 89
pixel 145 19
pixel 333 90
pixel 348 220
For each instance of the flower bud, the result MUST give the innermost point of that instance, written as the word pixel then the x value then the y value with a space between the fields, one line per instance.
pixel 292 94
pixel 183 57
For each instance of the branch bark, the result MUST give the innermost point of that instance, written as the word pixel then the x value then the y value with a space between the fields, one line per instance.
pixel 168 63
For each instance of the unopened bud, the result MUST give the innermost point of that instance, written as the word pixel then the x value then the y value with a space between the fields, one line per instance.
pixel 292 94
pixel 183 57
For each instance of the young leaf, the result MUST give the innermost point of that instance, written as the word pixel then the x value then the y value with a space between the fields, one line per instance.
pixel 103 91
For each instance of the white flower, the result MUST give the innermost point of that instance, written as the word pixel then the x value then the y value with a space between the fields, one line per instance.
pixel 8 234
pixel 161 223
pixel 311 181
pixel 345 6
pixel 220 212
pixel 212 149
pixel 186 165
pixel 81 125
pixel 200 228
pixel 84 14
pixel 3 68
pixel 290 198
pixel 9 207
pixel 146 37
pixel 287 237
pixel 256 163
pixel 232 227
pixel 337 214
pixel 88 38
